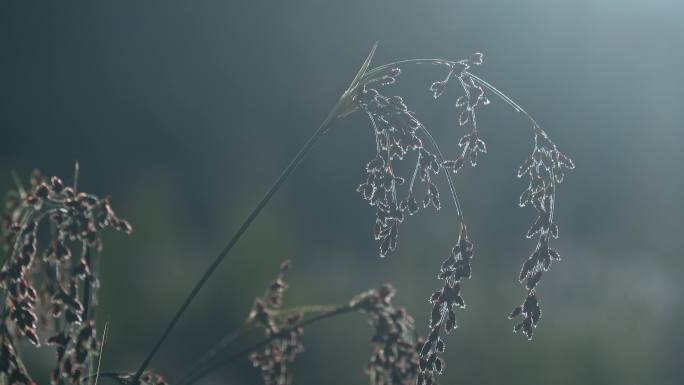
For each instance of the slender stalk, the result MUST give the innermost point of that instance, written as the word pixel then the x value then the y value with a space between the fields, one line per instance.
pixel 217 349
pixel 99 356
pixel 343 107
pixel 226 341
pixel 372 72
pixel 509 101
pixel 376 70
pixel 238 234
pixel 244 352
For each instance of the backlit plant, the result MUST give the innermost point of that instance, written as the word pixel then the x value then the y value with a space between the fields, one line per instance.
pixel 62 283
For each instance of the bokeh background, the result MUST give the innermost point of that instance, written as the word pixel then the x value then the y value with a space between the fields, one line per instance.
pixel 184 112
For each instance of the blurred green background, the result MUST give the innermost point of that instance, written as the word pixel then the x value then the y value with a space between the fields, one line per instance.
pixel 186 111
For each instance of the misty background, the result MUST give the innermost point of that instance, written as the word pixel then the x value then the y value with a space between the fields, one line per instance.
pixel 184 112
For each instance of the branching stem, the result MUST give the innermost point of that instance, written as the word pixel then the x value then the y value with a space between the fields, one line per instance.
pixel 377 70
pixel 245 352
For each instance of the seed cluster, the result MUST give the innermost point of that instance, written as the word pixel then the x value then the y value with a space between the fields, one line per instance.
pixel 395 129
pixel 10 365
pixel 73 351
pixel 545 168
pixel 152 378
pixel 395 358
pixel 52 293
pixel 285 344
pixel 444 304
pixel 398 133
pixel 467 104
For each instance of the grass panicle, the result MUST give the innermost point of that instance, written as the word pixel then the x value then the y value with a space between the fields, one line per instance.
pixel 50 286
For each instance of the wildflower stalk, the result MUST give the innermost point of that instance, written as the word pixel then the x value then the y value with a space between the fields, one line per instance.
pixel 343 107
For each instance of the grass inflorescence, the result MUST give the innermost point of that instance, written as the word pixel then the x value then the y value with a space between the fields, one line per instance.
pixel 50 283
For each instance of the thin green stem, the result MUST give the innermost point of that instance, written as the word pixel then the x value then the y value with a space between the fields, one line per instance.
pixel 238 234
pixel 343 106
pixel 99 356
pixel 216 350
pixel 244 352
pixel 505 98
pixel 227 340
